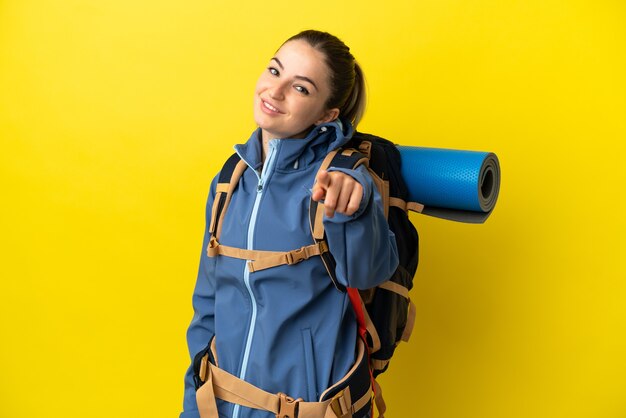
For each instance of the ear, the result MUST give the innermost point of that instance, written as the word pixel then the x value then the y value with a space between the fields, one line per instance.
pixel 328 116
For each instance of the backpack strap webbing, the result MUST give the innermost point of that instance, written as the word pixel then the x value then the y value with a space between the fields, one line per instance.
pixel 229 178
pixel 378 399
pixel 261 260
pixel 406 206
pixel 395 287
pixel 410 322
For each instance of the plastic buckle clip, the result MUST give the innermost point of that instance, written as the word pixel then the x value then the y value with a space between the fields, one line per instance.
pixel 287 407
pixel 295 256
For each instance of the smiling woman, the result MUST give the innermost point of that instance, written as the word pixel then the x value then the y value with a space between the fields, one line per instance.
pixel 305 84
pixel 291 95
pixel 270 316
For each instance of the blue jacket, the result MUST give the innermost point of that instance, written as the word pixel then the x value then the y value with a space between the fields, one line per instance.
pixel 287 328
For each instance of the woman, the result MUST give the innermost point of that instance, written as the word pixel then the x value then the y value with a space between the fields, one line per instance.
pixel 287 329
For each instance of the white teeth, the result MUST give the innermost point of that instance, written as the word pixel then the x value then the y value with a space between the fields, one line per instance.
pixel 270 107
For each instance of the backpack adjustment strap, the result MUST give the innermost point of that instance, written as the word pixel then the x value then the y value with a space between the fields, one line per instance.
pixel 273 259
pixel 395 288
pixel 406 206
pixel 410 322
pixel 204 368
pixel 366 148
pixel 341 404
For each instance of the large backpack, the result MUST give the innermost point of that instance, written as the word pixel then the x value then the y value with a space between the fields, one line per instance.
pixel 389 314
pixel 384 313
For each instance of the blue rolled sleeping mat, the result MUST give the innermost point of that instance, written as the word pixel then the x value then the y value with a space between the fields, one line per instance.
pixel 452 184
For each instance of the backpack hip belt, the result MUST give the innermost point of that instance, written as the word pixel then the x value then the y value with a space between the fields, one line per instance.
pixel 351 397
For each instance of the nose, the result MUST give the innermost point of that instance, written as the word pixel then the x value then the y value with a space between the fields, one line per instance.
pixel 277 91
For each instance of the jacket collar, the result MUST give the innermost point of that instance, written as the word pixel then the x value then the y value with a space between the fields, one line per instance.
pixel 295 153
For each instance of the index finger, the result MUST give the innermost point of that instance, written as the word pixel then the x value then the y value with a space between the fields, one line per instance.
pixel 322 178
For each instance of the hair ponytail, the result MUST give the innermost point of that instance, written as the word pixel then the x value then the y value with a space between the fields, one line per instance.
pixel 354 107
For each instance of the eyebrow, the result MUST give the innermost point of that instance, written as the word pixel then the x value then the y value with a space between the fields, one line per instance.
pixel 299 77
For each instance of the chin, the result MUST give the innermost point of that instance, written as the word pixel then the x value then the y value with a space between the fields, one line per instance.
pixel 263 124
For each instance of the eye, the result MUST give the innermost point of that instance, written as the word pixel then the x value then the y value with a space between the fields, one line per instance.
pixel 302 90
pixel 273 71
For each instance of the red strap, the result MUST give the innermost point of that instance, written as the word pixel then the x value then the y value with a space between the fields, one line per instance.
pixel 357 305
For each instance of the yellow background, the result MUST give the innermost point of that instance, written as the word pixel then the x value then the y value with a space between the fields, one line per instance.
pixel 114 116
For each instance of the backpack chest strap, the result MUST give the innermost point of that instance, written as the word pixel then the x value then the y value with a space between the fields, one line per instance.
pixel 261 260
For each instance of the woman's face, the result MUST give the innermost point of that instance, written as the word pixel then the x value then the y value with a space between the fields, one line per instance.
pixel 291 93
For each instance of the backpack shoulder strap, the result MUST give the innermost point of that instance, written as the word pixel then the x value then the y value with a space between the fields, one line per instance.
pixel 229 178
pixel 256 260
pixel 342 158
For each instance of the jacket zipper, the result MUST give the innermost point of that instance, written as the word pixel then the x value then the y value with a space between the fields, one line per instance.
pixel 268 167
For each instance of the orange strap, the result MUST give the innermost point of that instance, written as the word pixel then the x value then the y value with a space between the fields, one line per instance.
pixel 406 206
pixel 261 260
pixel 318 226
pixel 225 189
pixel 379 365
pixel 371 330
pixel 395 287
pixel 378 400
pixel 328 159
pixel 410 322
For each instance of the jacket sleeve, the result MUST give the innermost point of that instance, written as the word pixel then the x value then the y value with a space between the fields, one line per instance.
pixel 362 244
pixel 202 327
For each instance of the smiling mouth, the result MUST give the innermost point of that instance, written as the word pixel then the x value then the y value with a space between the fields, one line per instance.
pixel 270 107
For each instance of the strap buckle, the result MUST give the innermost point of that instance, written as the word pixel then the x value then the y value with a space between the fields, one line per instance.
pixel 341 404
pixel 287 406
pixel 296 256
pixel 213 247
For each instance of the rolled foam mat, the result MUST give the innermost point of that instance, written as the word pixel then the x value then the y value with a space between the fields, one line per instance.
pixel 452 184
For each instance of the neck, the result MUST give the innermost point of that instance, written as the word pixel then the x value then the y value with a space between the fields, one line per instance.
pixel 266 137
pixel 265 143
